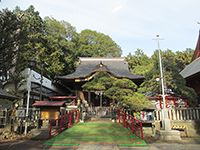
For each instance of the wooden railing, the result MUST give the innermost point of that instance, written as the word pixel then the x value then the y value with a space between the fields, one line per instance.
pixel 130 122
pixel 56 126
pixel 179 114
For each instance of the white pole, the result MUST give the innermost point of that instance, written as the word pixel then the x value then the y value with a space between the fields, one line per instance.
pixel 166 121
pixel 161 73
pixel 28 98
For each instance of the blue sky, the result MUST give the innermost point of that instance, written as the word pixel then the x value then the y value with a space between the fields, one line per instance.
pixel 131 24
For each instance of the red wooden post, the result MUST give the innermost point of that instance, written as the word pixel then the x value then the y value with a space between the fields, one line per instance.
pixel 77 116
pixel 132 124
pixel 125 119
pixel 60 118
pixel 160 104
pixel 50 128
pixel 174 102
pixel 70 119
pixel 141 131
pixel 166 102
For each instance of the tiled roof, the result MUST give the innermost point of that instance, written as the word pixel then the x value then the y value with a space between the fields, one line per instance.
pixel 62 97
pixel 48 103
pixel 118 67
pixel 191 69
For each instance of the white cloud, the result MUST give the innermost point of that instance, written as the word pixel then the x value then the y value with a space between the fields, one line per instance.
pixel 117 8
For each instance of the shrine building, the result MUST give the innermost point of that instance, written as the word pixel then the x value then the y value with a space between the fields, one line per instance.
pixel 87 69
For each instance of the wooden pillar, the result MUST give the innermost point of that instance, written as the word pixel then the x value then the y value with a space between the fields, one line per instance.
pixel 89 97
pixel 174 102
pixel 166 102
pixel 101 98
pixel 160 104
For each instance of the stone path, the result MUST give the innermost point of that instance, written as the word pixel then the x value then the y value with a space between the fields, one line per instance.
pixel 38 145
pixel 97 147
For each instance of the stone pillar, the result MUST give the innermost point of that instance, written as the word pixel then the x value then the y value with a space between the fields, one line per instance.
pixel 181 114
pixel 197 112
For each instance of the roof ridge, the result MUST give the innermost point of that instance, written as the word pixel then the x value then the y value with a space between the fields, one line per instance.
pixel 101 59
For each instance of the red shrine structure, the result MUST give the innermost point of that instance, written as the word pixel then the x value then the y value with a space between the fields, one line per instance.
pixel 171 101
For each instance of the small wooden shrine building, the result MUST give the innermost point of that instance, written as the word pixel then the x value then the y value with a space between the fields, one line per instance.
pixel 87 69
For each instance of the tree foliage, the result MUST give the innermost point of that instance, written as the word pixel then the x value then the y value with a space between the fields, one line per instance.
pixel 9 40
pixel 94 44
pixel 172 79
pixel 139 63
pixel 26 36
pixel 122 91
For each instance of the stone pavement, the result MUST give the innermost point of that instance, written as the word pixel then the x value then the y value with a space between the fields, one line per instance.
pixel 38 145
pixel 97 147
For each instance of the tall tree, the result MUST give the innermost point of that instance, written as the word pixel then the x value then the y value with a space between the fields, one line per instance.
pixel 32 31
pixel 95 44
pixel 173 80
pixel 183 58
pixel 9 40
pixel 139 62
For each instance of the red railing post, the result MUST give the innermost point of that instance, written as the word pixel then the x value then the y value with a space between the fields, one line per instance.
pixel 77 116
pixel 141 131
pixel 125 119
pixel 132 124
pixel 70 119
pixel 60 121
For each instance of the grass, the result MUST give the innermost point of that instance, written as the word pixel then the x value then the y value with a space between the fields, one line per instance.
pixel 96 132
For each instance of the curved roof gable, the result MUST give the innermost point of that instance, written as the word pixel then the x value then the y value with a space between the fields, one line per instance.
pixel 192 69
pixel 118 67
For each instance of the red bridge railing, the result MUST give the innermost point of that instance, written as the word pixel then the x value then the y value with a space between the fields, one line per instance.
pixel 56 126
pixel 131 122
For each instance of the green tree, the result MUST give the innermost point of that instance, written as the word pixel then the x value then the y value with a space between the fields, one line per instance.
pixel 173 80
pixel 95 44
pixel 139 63
pixel 122 91
pixel 183 58
pixel 9 40
pixel 32 32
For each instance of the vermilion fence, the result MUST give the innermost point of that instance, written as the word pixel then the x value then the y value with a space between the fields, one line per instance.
pixel 131 122
pixel 56 126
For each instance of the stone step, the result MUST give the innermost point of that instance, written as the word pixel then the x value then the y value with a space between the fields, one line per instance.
pixel 100 119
